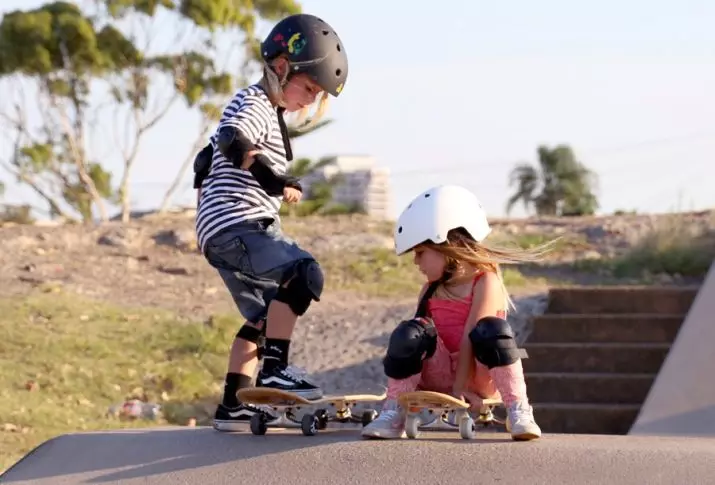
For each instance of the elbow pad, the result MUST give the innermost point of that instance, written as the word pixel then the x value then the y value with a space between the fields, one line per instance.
pixel 202 165
pixel 233 145
pixel 271 182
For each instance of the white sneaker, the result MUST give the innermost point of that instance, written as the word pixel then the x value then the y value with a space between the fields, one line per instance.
pixel 390 424
pixel 520 422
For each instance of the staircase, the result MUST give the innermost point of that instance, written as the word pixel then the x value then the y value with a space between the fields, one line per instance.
pixel 595 353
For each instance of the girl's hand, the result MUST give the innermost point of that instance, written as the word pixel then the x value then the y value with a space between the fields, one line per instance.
pixel 458 392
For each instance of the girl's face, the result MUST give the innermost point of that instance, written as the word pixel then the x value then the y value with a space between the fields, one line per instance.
pixel 430 262
pixel 300 91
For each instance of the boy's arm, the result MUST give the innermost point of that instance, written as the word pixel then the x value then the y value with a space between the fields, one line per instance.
pixel 237 138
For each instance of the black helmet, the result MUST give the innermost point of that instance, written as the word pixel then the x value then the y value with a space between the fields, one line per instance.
pixel 312 47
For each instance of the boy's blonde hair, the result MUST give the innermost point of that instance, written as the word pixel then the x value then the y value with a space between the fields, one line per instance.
pixel 274 88
pixel 461 250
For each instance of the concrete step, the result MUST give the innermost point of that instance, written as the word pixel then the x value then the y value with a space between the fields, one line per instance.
pixel 627 358
pixel 621 299
pixel 595 388
pixel 624 327
pixel 613 419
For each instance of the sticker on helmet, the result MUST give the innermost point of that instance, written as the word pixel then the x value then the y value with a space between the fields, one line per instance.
pixel 296 43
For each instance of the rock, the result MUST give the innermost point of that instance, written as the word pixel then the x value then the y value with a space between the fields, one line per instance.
pixel 32 386
pixel 174 271
pixel 184 240
pixel 119 237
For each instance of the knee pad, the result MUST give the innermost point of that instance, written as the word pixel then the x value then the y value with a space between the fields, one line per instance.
pixel 305 284
pixel 252 333
pixel 493 342
pixel 411 342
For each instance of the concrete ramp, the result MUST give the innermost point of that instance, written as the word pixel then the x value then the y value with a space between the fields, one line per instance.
pixel 681 400
pixel 192 456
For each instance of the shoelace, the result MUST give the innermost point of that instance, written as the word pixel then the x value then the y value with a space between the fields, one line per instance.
pixel 519 412
pixel 387 415
pixel 295 371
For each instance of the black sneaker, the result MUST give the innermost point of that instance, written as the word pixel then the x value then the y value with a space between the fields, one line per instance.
pixel 288 379
pixel 235 419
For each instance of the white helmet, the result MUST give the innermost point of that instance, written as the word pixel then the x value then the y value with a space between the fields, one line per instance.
pixel 435 212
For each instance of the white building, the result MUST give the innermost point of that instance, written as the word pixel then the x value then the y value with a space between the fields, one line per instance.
pixel 363 183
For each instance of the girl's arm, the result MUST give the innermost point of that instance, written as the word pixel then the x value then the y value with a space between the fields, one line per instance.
pixel 487 300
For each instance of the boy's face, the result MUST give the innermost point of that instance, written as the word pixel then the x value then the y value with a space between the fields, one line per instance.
pixel 300 91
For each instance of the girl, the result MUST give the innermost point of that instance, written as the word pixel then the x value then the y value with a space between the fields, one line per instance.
pixel 241 177
pixel 466 348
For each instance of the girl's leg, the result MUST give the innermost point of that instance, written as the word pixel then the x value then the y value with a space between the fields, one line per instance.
pixel 436 371
pixel 509 380
pixel 482 383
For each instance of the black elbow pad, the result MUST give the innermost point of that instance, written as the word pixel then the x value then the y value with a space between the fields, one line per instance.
pixel 233 145
pixel 269 181
pixel 202 165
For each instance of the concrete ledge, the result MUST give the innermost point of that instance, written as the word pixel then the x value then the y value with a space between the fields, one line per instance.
pixel 202 456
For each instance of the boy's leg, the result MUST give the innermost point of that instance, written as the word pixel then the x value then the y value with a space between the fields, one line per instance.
pixel 222 253
pixel 289 279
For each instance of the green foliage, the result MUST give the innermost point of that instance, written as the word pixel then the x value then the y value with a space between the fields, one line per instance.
pixel 673 248
pixel 66 50
pixel 88 356
pixel 559 186
pixel 18 214
pixel 318 199
pixel 56 39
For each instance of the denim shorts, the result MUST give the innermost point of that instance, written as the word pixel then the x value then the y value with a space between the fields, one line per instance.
pixel 252 259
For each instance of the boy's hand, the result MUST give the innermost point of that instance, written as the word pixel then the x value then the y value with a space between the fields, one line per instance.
pixel 291 195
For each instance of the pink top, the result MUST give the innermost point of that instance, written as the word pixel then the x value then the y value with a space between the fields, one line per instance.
pixel 450 317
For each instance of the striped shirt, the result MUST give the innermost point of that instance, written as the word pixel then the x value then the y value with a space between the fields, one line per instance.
pixel 230 195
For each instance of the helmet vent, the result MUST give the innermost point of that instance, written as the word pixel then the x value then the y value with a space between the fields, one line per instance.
pixel 326 32
pixel 337 72
pixel 338 46
pixel 427 196
pixel 399 230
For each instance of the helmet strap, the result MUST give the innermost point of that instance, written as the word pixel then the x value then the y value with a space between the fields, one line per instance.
pixel 422 306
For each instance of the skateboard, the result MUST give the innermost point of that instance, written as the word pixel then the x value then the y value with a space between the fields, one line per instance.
pixel 415 403
pixel 334 408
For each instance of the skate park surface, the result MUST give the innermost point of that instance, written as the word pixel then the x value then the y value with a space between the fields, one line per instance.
pixel 204 456
pixel 671 442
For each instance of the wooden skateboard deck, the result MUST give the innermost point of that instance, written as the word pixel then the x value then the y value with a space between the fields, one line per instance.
pixel 337 407
pixel 437 403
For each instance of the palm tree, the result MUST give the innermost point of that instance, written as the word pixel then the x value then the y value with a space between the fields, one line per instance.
pixel 560 185
pixel 295 132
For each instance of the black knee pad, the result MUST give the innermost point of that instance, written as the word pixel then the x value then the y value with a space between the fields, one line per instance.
pixel 252 333
pixel 493 342
pixel 411 343
pixel 305 284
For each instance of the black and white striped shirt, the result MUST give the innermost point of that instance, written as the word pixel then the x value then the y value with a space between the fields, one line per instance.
pixel 230 195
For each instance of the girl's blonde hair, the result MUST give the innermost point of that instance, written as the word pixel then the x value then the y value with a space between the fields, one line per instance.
pixel 274 89
pixel 461 251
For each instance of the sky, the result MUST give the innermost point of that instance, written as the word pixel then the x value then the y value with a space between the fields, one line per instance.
pixel 463 90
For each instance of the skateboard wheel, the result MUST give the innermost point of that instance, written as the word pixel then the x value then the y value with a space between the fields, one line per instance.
pixel 412 426
pixel 466 428
pixel 322 417
pixel 259 425
pixel 309 425
pixel 368 416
